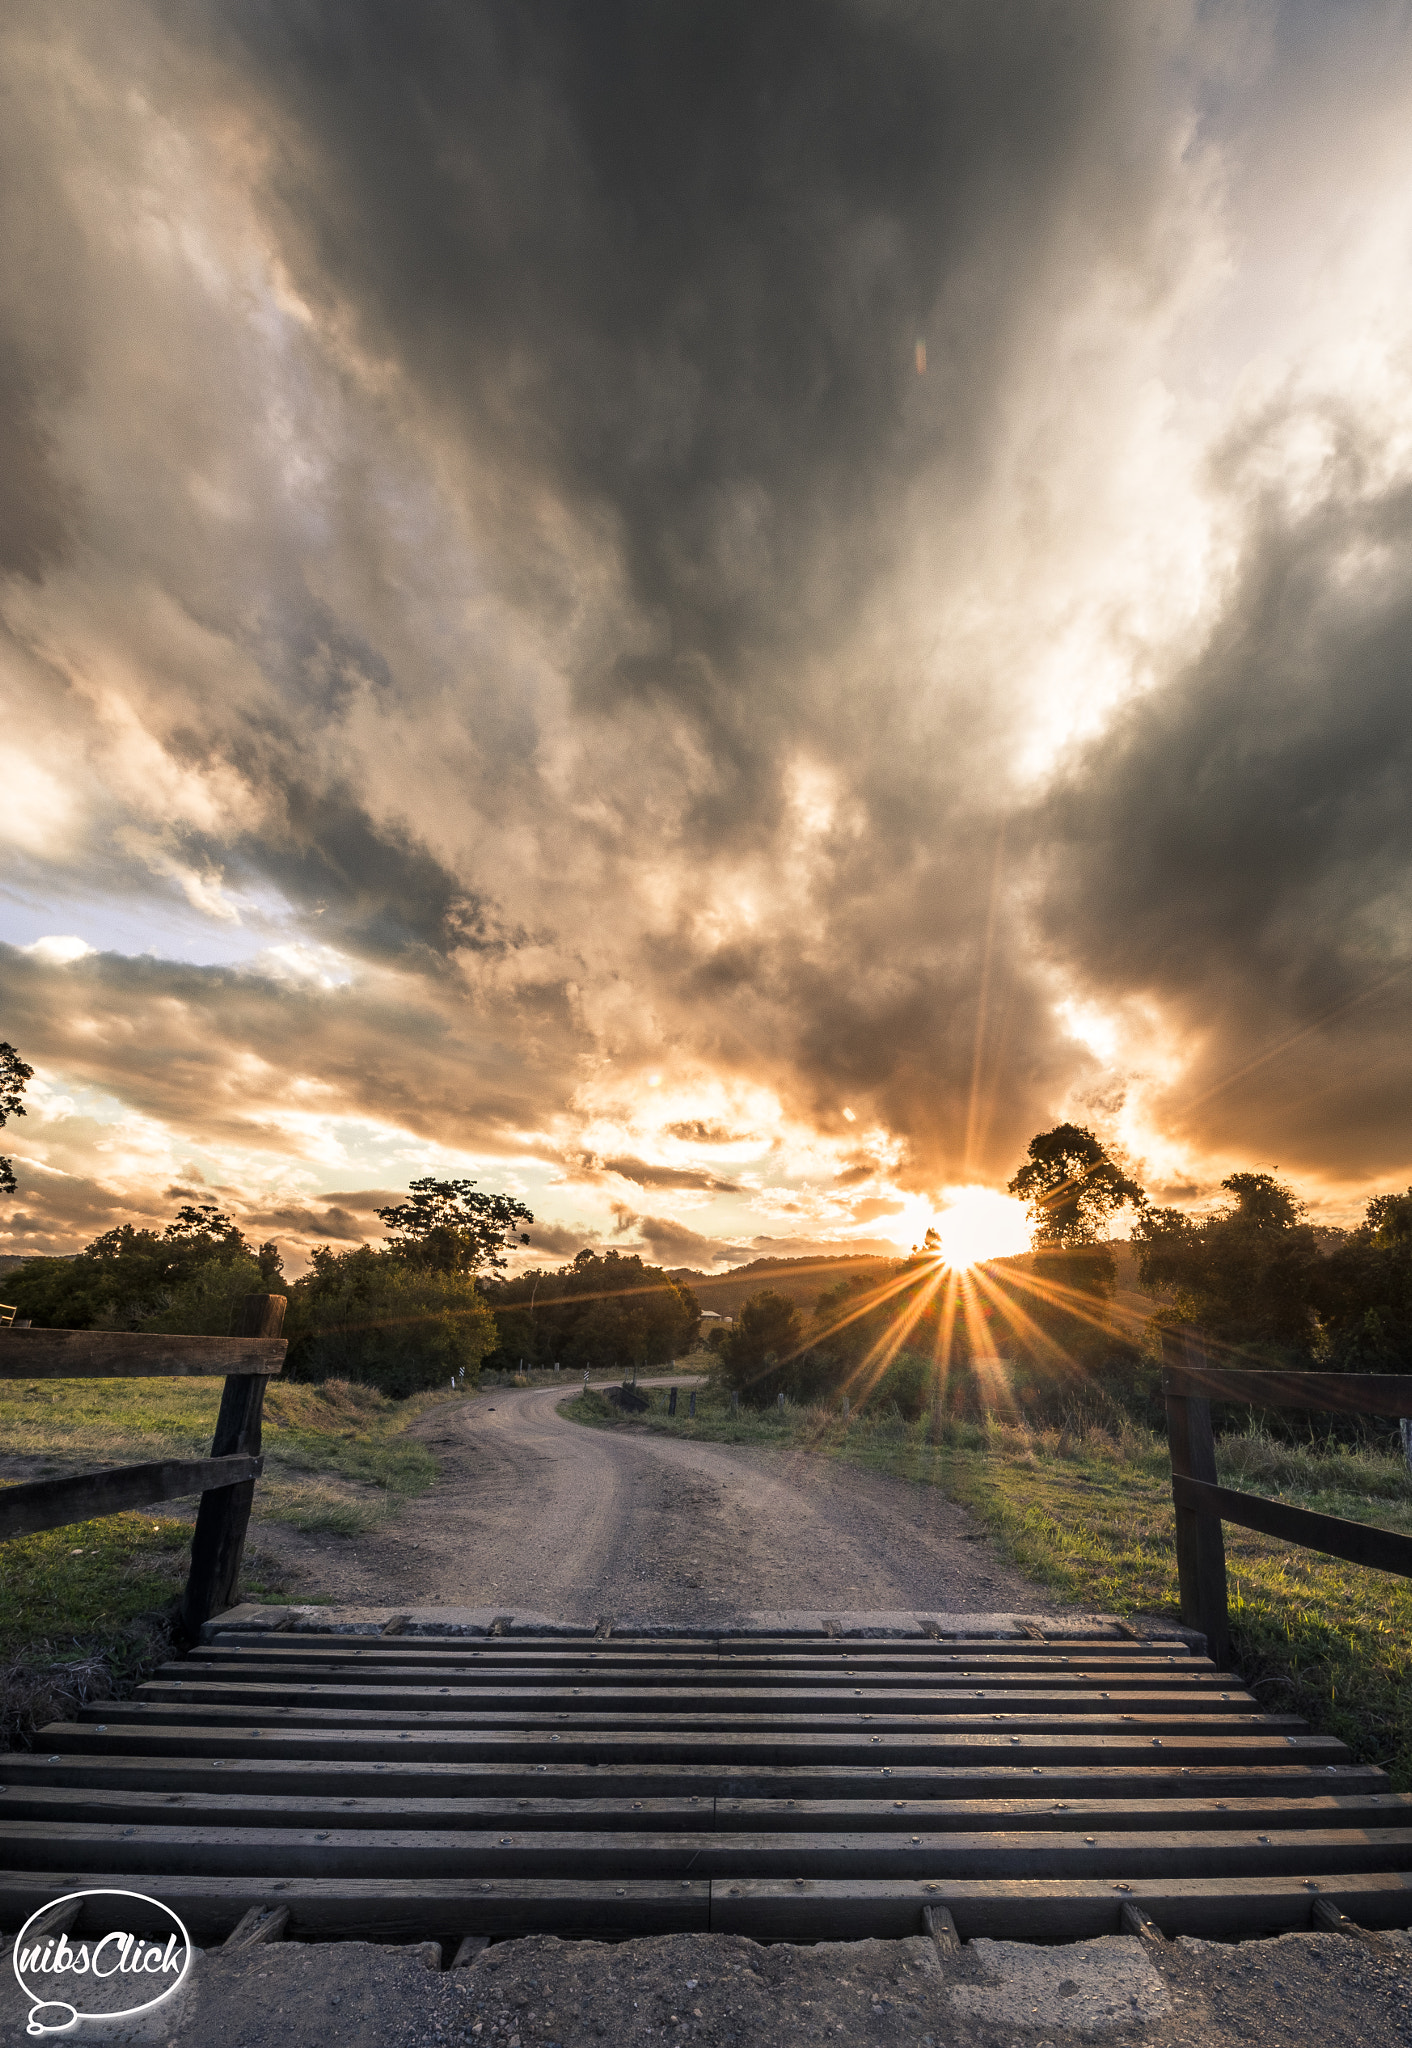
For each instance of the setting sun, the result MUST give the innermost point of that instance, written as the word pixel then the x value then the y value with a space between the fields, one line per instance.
pixel 976 1223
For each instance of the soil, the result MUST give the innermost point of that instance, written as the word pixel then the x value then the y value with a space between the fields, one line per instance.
pixel 1324 1988
pixel 537 1514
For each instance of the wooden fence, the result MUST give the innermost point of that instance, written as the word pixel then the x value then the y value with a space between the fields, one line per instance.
pixel 225 1480
pixel 1202 1505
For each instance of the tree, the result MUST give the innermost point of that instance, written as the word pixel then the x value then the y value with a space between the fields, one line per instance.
pixel 1072 1187
pixel 130 1279
pixel 14 1078
pixel 1363 1292
pixel 757 1352
pixel 1248 1276
pixel 448 1227
pixel 372 1317
pixel 605 1309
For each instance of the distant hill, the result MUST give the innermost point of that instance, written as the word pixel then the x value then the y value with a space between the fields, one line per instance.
pixel 802 1280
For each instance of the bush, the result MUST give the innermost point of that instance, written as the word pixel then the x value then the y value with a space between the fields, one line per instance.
pixel 369 1317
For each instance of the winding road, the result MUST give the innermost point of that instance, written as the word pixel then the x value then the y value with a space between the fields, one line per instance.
pixel 540 1514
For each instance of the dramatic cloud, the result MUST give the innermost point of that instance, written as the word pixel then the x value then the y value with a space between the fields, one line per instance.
pixel 750 602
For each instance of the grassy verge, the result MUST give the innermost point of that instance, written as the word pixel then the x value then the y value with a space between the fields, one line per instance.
pixel 87 1609
pixel 1088 1514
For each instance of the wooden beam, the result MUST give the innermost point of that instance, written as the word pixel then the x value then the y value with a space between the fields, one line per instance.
pixel 218 1542
pixel 1046 1909
pixel 163 1844
pixel 1343 1393
pixel 125 1354
pixel 261 1924
pixel 1381 1550
pixel 938 1923
pixel 51 1503
pixel 1201 1553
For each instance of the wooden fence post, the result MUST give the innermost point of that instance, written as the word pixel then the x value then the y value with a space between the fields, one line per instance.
pixel 224 1513
pixel 1201 1549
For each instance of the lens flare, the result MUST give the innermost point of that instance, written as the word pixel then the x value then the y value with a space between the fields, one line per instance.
pixel 977 1223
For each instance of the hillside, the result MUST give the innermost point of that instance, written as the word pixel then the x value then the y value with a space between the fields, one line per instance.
pixel 803 1280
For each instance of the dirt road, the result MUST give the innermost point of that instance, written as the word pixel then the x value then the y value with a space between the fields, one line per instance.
pixel 544 1515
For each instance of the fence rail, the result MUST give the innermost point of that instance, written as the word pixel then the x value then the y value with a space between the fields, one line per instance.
pixel 225 1480
pixel 1202 1504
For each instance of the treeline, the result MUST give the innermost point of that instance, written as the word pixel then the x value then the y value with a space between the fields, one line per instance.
pixel 606 1309
pixel 424 1309
pixel 1253 1281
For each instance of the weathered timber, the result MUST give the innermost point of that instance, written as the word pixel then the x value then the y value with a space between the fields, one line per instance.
pixel 423 1801
pixel 207 1805
pixel 389 1911
pixel 123 1354
pixel 162 1847
pixel 1133 1920
pixel 1343 1393
pixel 51 1503
pixel 1047 1909
pixel 219 1732
pixel 1380 1549
pixel 1201 1551
pixel 938 1923
pixel 261 1776
pixel 218 1543
pixel 845 1706
pixel 260 1925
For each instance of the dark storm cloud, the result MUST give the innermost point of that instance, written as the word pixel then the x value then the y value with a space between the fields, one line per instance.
pixel 1239 844
pixel 384 895
pixel 666 269
pixel 676 260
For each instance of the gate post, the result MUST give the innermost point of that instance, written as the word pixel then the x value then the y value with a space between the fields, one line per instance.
pixel 224 1513
pixel 1201 1549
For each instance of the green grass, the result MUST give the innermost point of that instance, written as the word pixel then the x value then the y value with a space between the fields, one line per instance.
pixel 1087 1513
pixel 337 1457
pixel 87 1609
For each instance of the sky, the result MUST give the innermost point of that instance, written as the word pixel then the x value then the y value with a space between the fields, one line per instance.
pixel 708 615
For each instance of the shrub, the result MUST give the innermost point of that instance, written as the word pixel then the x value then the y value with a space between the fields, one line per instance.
pixel 369 1317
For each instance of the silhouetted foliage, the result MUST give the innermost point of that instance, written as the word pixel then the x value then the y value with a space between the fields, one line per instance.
pixel 605 1309
pixel 375 1318
pixel 448 1226
pixel 14 1078
pixel 1248 1277
pixel 130 1279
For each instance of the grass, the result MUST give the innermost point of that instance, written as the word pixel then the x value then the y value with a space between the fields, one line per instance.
pixel 87 1609
pixel 1087 1512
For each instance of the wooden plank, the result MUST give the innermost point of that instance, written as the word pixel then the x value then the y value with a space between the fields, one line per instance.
pixel 124 1354
pixel 1049 1910
pixel 218 1541
pixel 207 1805
pixel 392 1775
pixel 380 1910
pixel 765 1909
pixel 1382 1550
pixel 288 1666
pixel 141 1851
pixel 1343 1393
pixel 468 1700
pixel 1152 1725
pixel 51 1503
pixel 735 1752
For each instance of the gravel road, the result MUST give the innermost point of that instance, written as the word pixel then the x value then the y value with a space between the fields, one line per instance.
pixel 544 1515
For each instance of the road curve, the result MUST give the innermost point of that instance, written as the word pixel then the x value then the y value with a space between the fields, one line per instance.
pixel 536 1513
